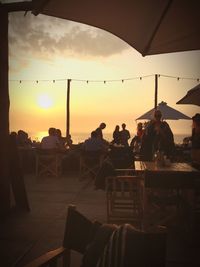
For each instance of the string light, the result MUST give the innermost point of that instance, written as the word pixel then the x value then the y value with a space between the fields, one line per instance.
pixel 105 81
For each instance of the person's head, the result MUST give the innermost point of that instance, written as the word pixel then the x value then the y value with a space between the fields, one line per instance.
pixel 117 128
pixel 123 126
pixel 196 120
pixel 157 115
pixel 94 134
pixel 102 125
pixel 52 131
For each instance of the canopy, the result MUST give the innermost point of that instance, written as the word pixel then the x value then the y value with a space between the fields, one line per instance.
pixel 151 27
pixel 168 113
pixel 192 97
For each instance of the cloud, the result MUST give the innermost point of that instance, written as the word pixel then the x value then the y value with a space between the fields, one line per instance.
pixel 47 37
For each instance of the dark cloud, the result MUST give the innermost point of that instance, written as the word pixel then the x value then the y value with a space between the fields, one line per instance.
pixel 46 37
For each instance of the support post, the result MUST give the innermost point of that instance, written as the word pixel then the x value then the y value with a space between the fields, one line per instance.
pixel 4 115
pixel 68 109
pixel 156 91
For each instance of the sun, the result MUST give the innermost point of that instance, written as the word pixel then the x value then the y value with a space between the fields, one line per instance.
pixel 45 101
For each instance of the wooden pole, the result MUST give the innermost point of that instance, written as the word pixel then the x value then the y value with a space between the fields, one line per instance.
pixel 4 115
pixel 68 109
pixel 156 91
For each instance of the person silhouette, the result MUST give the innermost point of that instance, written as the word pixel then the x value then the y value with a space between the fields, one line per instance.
pixel 124 135
pixel 116 136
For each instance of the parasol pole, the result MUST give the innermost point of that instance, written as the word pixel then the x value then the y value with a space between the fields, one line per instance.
pixel 68 108
pixel 156 91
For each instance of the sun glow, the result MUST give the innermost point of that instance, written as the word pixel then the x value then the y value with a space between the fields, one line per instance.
pixel 45 101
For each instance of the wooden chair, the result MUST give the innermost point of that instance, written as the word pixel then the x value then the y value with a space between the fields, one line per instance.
pixel 124 198
pixel 90 164
pixel 48 163
pixel 91 239
pixel 78 231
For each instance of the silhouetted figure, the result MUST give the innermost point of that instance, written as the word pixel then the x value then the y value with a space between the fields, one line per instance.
pixel 51 141
pixel 61 139
pixel 94 143
pixel 116 136
pixel 69 141
pixel 125 135
pixel 137 139
pixel 157 136
pixel 23 140
pixel 99 130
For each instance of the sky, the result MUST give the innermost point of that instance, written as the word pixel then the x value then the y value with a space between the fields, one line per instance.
pixel 44 52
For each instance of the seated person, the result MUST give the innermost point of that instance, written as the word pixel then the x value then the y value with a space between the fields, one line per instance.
pixel 51 141
pixel 23 140
pixel 61 139
pixel 69 141
pixel 94 143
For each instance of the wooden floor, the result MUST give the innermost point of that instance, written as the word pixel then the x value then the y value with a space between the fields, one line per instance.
pixel 24 236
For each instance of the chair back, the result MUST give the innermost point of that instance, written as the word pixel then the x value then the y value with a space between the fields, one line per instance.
pixel 48 162
pixel 124 198
pixel 90 164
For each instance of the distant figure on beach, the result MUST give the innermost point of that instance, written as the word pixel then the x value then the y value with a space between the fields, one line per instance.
pixel 124 135
pixel 157 136
pixel 99 130
pixel 51 141
pixel 137 139
pixel 195 153
pixel 116 135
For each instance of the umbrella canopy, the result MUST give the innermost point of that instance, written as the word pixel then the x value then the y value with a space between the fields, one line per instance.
pixel 192 97
pixel 168 113
pixel 151 27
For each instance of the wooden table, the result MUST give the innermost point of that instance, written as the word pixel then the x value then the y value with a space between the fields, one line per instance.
pixel 180 177
pixel 175 175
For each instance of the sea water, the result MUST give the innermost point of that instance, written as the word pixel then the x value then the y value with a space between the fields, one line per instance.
pixel 81 137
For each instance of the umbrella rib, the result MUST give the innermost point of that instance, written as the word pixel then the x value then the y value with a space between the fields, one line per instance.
pixel 156 27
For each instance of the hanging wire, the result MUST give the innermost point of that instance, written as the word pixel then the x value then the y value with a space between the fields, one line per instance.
pixel 108 81
pixel 179 77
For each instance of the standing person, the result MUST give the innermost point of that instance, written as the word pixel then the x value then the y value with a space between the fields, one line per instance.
pixel 99 130
pixel 195 152
pixel 116 136
pixel 157 136
pixel 125 135
pixel 137 139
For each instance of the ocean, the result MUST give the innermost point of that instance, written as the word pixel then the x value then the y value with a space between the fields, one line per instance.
pixel 80 137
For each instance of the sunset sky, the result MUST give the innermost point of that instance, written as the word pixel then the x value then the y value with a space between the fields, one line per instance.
pixel 44 49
